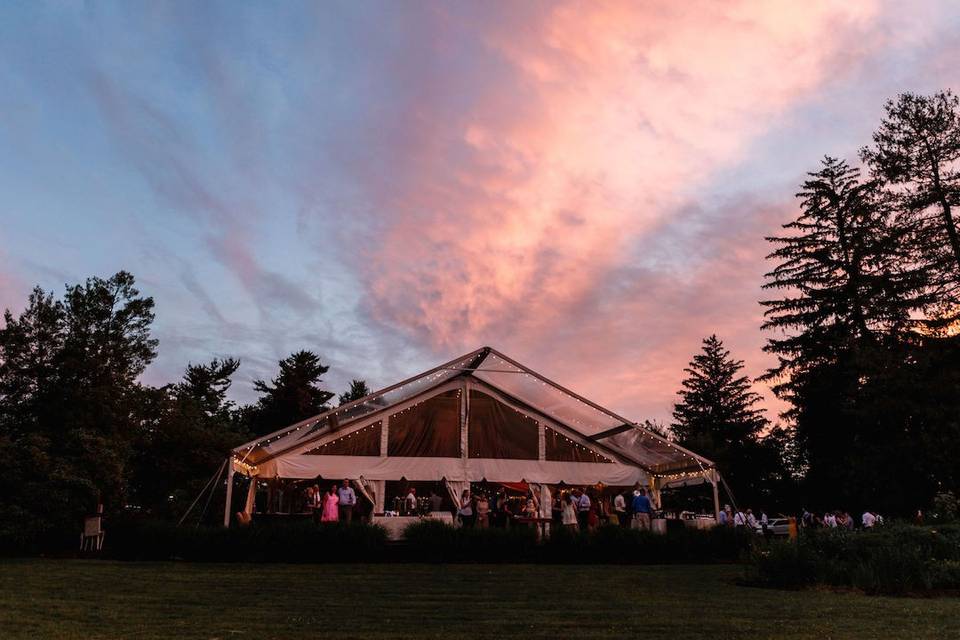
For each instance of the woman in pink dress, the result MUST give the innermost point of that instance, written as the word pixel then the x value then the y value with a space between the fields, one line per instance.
pixel 330 501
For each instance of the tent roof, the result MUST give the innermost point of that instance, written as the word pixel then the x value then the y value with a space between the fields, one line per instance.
pixel 525 386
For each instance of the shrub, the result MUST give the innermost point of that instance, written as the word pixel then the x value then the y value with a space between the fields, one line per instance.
pixel 434 541
pixel 784 565
pixel 893 560
pixel 291 542
pixel 946 507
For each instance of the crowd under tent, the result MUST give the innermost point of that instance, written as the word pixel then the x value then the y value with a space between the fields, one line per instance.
pixel 480 417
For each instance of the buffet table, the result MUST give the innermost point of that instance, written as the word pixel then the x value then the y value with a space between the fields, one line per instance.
pixel 396 525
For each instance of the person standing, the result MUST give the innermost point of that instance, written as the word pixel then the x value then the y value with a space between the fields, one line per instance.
pixel 641 511
pixel 347 500
pixel 330 500
pixel 568 513
pixel 739 520
pixel 483 511
pixel 410 502
pixel 868 520
pixel 466 509
pixel 620 509
pixel 583 509
pixel 848 522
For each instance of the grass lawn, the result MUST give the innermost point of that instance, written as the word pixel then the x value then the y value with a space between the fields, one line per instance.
pixel 98 599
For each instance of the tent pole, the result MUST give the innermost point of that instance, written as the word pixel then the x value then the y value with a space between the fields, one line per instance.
pixel 716 496
pixel 227 504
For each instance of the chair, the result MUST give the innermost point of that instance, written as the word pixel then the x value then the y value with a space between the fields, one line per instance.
pixel 92 536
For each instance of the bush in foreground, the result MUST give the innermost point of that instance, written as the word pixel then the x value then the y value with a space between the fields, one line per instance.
pixel 892 560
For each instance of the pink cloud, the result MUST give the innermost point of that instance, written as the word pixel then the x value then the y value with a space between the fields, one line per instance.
pixel 507 220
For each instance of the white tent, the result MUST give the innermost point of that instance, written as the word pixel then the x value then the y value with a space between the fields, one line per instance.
pixel 479 417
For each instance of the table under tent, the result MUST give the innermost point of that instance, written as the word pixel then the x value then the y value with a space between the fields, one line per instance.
pixel 482 417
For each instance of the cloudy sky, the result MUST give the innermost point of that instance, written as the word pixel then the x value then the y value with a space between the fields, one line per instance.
pixel 582 185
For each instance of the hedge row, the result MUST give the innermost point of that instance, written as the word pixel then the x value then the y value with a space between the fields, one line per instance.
pixel 428 541
pixel 431 541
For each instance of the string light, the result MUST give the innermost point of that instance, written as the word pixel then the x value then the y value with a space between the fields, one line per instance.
pixel 249 469
pixel 372 425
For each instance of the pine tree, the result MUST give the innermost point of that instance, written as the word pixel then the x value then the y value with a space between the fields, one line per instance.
pixel 291 396
pixel 847 281
pixel 358 389
pixel 917 152
pixel 192 427
pixel 850 290
pixel 718 416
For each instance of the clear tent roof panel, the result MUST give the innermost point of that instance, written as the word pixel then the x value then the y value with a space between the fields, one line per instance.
pixel 291 436
pixel 544 396
pixel 513 379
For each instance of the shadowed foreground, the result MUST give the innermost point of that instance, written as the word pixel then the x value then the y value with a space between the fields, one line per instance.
pixel 93 599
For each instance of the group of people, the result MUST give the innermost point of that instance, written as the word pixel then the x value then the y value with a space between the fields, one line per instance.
pixel 336 504
pixel 578 511
pixel 839 520
pixel 484 511
pixel 740 518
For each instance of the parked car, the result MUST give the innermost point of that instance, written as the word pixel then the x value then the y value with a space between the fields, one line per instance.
pixel 779 526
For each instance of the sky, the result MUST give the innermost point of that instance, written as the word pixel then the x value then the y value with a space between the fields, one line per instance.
pixel 585 186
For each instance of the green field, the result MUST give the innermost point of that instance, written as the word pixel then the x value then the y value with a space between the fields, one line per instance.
pixel 99 599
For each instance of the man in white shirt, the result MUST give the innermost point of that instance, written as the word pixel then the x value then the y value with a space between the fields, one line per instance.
pixel 868 520
pixel 751 519
pixel 348 499
pixel 411 502
pixel 620 508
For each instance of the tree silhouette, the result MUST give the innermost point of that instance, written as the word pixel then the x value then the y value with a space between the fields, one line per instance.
pixel 358 389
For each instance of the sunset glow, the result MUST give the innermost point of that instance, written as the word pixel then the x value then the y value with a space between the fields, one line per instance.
pixel 584 186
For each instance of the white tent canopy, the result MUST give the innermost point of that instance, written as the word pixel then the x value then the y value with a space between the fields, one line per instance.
pixel 479 417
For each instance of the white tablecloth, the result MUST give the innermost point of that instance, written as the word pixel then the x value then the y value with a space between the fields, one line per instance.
pixel 395 526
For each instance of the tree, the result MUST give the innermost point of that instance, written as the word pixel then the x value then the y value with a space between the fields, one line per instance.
pixel 290 397
pixel 844 320
pixel 70 403
pixel 193 429
pixel 358 389
pixel 717 415
pixel 917 151
pixel 846 283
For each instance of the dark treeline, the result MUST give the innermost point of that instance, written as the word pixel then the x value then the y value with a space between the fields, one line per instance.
pixel 77 427
pixel 863 318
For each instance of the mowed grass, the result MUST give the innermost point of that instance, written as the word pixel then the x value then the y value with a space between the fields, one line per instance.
pixel 98 599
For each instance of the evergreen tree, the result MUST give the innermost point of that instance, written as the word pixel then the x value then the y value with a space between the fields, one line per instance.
pixel 849 291
pixel 717 415
pixel 917 151
pixel 292 396
pixel 193 427
pixel 358 389
pixel 846 283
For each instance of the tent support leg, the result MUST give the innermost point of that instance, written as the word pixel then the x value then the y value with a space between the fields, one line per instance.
pixel 251 496
pixel 229 501
pixel 716 496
